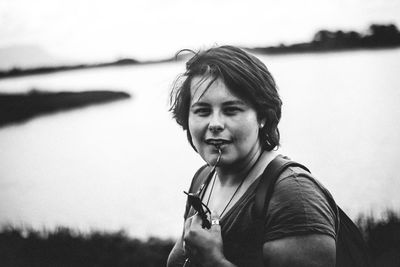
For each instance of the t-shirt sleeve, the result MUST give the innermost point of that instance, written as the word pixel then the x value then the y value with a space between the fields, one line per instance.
pixel 299 206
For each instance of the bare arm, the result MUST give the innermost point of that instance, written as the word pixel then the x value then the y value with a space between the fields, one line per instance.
pixel 314 250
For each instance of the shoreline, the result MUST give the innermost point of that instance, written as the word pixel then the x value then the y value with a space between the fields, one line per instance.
pixel 377 37
pixel 19 108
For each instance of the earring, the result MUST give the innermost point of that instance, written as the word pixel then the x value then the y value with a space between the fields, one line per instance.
pixel 261 125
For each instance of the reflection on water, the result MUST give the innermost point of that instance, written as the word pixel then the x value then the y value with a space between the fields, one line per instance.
pixel 125 164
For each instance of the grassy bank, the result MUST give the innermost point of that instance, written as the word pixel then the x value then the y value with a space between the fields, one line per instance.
pixel 16 108
pixel 383 238
pixel 66 247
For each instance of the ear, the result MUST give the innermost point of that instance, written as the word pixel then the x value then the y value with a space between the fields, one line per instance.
pixel 261 123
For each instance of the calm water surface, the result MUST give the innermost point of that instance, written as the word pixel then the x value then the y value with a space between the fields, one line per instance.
pixel 124 165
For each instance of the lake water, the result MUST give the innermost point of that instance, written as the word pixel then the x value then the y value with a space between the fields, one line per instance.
pixel 125 164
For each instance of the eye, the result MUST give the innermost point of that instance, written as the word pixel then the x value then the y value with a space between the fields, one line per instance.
pixel 233 110
pixel 202 111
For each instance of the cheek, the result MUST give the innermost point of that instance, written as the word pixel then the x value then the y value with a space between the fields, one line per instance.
pixel 247 131
pixel 195 129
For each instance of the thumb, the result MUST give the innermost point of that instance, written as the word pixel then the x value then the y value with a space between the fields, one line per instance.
pixel 214 217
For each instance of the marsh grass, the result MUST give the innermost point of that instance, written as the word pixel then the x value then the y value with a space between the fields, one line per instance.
pixel 66 247
pixel 382 237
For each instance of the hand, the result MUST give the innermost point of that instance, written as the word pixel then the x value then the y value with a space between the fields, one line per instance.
pixel 203 246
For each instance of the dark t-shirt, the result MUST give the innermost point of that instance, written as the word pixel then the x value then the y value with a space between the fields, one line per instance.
pixel 300 205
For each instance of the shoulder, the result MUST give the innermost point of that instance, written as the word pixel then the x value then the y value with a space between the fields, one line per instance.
pixel 199 178
pixel 300 205
pixel 297 184
pixel 301 222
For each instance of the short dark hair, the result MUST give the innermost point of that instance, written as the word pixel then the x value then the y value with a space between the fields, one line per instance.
pixel 244 74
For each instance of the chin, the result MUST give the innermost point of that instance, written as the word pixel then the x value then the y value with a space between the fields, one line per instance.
pixel 209 158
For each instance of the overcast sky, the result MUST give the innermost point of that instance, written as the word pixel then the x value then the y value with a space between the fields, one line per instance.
pixel 150 29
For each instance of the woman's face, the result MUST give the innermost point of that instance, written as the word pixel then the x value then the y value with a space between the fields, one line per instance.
pixel 218 117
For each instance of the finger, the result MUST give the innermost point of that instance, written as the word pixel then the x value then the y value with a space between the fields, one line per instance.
pixel 184 246
pixel 196 222
pixel 215 221
pixel 186 249
pixel 188 223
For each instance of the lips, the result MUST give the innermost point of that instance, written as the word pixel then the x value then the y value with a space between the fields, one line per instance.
pixel 217 142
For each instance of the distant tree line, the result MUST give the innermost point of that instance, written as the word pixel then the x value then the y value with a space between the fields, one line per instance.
pixel 377 36
pixel 65 247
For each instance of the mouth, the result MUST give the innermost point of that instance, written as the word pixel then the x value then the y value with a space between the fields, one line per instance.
pixel 217 142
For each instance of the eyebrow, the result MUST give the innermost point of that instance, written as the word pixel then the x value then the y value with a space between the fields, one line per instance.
pixel 227 103
pixel 198 103
pixel 234 102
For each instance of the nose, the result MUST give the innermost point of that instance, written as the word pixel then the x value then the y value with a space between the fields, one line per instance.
pixel 216 124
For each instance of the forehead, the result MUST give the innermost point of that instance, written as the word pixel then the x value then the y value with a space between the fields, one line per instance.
pixel 206 88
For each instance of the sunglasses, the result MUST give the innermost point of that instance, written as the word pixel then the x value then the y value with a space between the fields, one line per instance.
pixel 201 208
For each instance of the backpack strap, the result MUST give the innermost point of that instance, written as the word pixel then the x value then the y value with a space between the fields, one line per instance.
pixel 267 182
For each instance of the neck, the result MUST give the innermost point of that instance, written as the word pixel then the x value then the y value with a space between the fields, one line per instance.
pixel 235 173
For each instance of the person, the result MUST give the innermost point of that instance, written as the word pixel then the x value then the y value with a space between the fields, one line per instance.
pixel 227 102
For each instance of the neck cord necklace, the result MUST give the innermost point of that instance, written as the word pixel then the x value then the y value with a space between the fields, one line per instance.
pixel 237 189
